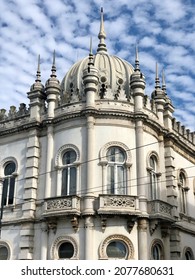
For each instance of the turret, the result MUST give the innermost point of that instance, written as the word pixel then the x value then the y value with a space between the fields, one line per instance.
pixel 37 96
pixel 159 98
pixel 52 88
pixel 168 108
pixel 90 80
pixel 137 84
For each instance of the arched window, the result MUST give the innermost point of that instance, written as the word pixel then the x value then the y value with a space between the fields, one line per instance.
pixel 153 177
pixel 157 251
pixel 182 185
pixel 188 254
pixel 116 171
pixel 69 171
pixel 9 183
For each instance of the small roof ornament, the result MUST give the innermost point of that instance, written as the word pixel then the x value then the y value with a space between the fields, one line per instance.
pixel 102 34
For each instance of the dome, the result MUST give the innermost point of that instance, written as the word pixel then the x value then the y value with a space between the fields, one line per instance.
pixel 113 73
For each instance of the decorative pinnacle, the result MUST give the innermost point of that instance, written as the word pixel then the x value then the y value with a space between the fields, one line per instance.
pixel 136 59
pixel 53 68
pixel 38 76
pixel 90 54
pixel 163 82
pixel 157 81
pixel 102 34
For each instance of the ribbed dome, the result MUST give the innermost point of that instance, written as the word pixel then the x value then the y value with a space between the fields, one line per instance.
pixel 114 73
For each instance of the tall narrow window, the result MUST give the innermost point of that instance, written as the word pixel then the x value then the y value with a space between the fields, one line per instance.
pixel 183 192
pixel 69 173
pixel 153 177
pixel 116 172
pixel 9 183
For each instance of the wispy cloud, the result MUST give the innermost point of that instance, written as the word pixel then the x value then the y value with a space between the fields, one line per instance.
pixel 164 31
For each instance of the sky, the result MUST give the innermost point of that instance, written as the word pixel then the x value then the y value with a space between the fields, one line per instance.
pixel 164 32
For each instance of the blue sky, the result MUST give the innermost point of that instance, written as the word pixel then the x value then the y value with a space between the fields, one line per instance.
pixel 164 31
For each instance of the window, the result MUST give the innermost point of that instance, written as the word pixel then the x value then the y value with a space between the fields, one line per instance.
pixel 66 250
pixel 116 246
pixel 116 250
pixel 116 171
pixel 69 173
pixel 4 250
pixel 182 185
pixel 9 183
pixel 188 254
pixel 64 247
pixel 3 253
pixel 157 251
pixel 153 192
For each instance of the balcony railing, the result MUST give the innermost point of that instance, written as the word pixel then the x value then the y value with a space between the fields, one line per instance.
pixel 159 208
pixel 59 206
pixel 118 204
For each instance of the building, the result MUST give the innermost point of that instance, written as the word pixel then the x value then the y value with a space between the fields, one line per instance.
pixel 96 169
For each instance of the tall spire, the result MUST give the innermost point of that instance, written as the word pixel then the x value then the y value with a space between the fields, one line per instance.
pixel 38 76
pixel 157 81
pixel 53 68
pixel 163 82
pixel 102 34
pixel 90 54
pixel 136 59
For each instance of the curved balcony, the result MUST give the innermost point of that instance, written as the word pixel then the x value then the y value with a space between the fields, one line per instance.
pixel 118 204
pixel 59 206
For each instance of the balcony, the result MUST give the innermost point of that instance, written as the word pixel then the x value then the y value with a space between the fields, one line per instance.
pixel 160 209
pixel 60 206
pixel 118 204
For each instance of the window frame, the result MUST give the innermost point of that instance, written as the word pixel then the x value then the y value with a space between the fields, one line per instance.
pixel 183 190
pixel 60 167
pixel 154 175
pixel 160 248
pixel 54 253
pixel 9 182
pixel 104 163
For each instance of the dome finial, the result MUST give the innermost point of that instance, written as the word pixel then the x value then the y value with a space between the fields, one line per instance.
pixel 53 68
pixel 136 59
pixel 102 34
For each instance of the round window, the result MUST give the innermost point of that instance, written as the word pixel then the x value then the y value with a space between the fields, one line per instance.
pixel 66 250
pixel 116 249
pixel 3 253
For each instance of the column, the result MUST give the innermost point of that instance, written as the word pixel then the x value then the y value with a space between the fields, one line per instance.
pixel 143 239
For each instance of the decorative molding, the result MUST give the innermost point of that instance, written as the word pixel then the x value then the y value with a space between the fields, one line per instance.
pixel 116 237
pixel 63 149
pixel 4 162
pixel 58 241
pixel 121 145
pixel 75 223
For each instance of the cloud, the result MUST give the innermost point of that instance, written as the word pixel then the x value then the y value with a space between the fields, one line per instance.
pixel 163 30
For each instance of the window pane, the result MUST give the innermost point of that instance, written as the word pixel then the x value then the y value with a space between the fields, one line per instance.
pixel 66 250
pixel 3 253
pixel 10 168
pixel 116 249
pixel 110 179
pixel 11 191
pixel 72 180
pixel 188 255
pixel 69 157
pixel 64 181
pixel 156 252
pixel 5 188
pixel 115 154
pixel 121 180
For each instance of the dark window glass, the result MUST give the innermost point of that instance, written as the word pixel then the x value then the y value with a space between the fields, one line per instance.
pixel 69 173
pixel 9 184
pixel 66 250
pixel 116 249
pixel 3 253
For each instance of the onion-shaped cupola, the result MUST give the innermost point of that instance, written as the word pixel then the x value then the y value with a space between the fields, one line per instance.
pixel 114 75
